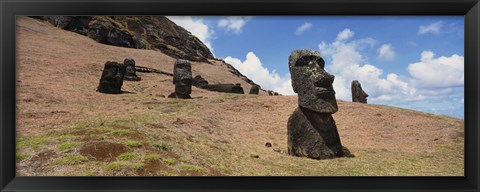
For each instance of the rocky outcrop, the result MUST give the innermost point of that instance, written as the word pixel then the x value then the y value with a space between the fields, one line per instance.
pixel 141 32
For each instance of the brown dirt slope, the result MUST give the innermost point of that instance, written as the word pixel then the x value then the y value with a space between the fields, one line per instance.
pixel 65 127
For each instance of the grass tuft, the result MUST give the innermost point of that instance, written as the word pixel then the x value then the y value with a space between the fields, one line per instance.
pixel 71 160
pixel 132 143
pixel 151 157
pixel 69 145
pixel 126 156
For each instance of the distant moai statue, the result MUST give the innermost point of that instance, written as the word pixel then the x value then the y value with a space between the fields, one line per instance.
pixel 254 90
pixel 199 81
pixel 270 92
pixel 182 78
pixel 311 129
pixel 130 73
pixel 111 80
pixel 358 95
pixel 238 89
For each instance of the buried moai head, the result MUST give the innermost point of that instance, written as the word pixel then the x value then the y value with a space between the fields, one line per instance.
pixel 311 82
pixel 112 78
pixel 358 95
pixel 130 72
pixel 254 90
pixel 182 78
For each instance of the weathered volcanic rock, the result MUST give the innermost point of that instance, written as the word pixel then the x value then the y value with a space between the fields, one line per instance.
pixel 130 72
pixel 254 90
pixel 182 78
pixel 358 95
pixel 141 32
pixel 111 80
pixel 312 134
pixel 199 81
pixel 225 88
pixel 311 129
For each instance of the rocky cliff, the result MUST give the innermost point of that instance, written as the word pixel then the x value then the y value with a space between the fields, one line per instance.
pixel 145 32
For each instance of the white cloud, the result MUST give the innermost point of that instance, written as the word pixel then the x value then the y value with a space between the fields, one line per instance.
pixel 197 27
pixel 430 82
pixel 433 28
pixel 234 23
pixel 438 72
pixel 252 68
pixel 345 34
pixel 386 52
pixel 301 29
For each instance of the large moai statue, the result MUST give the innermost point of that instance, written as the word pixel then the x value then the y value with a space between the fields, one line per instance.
pixel 358 95
pixel 254 90
pixel 182 78
pixel 130 72
pixel 112 78
pixel 311 129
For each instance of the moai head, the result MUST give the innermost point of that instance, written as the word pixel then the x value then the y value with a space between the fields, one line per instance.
pixel 199 81
pixel 254 90
pixel 182 77
pixel 358 95
pixel 112 78
pixel 237 88
pixel 130 72
pixel 311 82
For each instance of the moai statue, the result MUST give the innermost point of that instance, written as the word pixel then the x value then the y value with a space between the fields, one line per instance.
pixel 237 88
pixel 358 95
pixel 254 90
pixel 130 73
pixel 112 78
pixel 311 130
pixel 199 81
pixel 182 78
pixel 270 92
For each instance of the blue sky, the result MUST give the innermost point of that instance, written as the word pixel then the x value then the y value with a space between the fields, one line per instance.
pixel 414 62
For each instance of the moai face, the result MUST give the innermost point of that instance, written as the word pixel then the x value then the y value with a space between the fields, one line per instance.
pixel 311 82
pixel 358 95
pixel 182 77
pixel 254 90
pixel 112 78
pixel 130 65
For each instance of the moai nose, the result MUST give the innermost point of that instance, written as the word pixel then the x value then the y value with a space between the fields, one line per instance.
pixel 325 81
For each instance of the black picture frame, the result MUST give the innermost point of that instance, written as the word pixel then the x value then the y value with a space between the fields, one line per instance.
pixel 9 9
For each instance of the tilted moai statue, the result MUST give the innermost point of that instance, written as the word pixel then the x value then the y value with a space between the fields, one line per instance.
pixel 358 95
pixel 254 90
pixel 311 130
pixel 199 81
pixel 130 73
pixel 112 78
pixel 182 78
pixel 237 88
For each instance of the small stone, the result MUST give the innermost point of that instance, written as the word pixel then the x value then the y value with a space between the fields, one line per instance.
pixel 268 144
pixel 277 150
pixel 254 156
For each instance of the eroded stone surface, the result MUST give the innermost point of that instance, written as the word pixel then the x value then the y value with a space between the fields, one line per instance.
pixel 358 95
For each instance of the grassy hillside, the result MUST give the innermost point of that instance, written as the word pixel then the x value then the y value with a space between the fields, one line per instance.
pixel 65 127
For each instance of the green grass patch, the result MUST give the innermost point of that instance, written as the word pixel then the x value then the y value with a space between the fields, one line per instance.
pixel 161 146
pixel 170 161
pixel 20 156
pixel 126 156
pixel 70 160
pixel 188 167
pixel 69 145
pixel 151 157
pixel 31 142
pixel 120 132
pixel 132 143
pixel 66 137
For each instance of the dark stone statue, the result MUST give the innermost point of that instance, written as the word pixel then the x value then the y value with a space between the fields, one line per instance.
pixel 199 81
pixel 130 73
pixel 182 78
pixel 225 88
pixel 358 95
pixel 254 90
pixel 112 78
pixel 270 92
pixel 311 129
